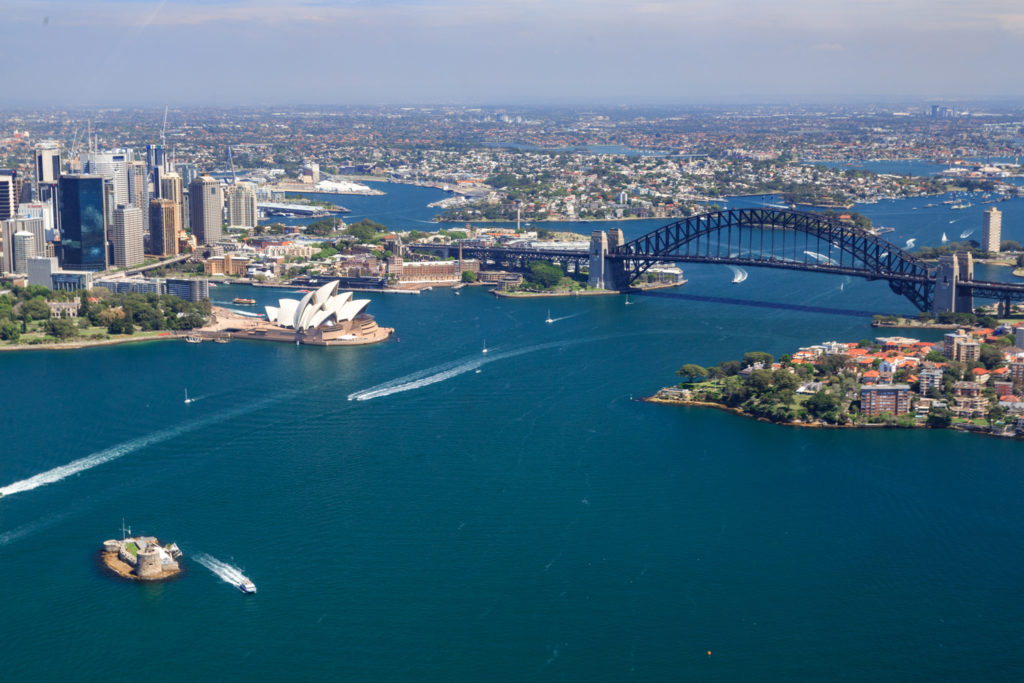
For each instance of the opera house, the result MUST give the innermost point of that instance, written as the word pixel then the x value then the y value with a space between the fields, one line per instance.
pixel 324 317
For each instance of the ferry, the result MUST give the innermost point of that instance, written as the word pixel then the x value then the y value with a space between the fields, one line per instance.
pixel 245 585
pixel 243 302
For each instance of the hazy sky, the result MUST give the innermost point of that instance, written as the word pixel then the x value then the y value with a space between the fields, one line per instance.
pixel 187 52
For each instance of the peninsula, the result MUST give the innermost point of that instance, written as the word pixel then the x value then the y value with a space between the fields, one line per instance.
pixel 971 381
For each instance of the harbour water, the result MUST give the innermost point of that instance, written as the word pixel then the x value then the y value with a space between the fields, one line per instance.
pixel 514 516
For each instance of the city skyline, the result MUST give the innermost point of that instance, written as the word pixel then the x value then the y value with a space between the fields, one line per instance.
pixel 251 52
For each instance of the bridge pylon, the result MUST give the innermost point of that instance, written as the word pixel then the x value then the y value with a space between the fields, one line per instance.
pixel 949 297
pixel 607 273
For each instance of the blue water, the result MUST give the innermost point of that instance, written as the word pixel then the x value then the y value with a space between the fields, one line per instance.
pixel 916 167
pixel 524 522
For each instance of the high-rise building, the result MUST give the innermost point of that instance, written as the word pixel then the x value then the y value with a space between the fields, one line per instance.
pixel 126 236
pixel 188 173
pixel 9 231
pixel 24 249
pixel 885 398
pixel 992 230
pixel 82 226
pixel 8 194
pixel 163 227
pixel 138 190
pixel 112 165
pixel 47 158
pixel 241 203
pixel 172 188
pixel 207 209
pixel 156 167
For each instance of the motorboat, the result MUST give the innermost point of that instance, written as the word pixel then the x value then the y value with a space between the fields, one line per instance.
pixel 245 585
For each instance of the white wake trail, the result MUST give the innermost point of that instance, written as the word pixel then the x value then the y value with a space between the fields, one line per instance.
pixel 227 572
pixel 822 258
pixel 440 373
pixel 119 451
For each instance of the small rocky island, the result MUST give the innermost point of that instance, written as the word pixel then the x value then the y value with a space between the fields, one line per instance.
pixel 142 558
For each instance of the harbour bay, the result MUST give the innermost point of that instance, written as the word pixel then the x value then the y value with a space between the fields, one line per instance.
pixel 527 521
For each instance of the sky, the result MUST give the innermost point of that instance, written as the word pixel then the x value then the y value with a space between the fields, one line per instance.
pixel 506 52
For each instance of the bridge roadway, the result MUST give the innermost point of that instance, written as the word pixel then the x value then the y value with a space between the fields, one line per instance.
pixel 758 238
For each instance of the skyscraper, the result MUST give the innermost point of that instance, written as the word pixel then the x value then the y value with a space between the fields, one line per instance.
pixel 172 188
pixel 207 209
pixel 138 190
pixel 81 221
pixel 164 216
pixel 24 249
pixel 47 157
pixel 112 165
pixel 8 194
pixel 126 236
pixel 241 202
pixel 992 230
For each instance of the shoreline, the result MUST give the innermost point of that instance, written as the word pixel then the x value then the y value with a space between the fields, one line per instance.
pixel 90 343
pixel 816 425
pixel 113 564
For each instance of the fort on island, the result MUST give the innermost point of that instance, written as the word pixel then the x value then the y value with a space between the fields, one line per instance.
pixel 142 558
pixel 323 317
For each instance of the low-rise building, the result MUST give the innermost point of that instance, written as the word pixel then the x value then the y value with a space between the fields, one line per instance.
pixel 968 400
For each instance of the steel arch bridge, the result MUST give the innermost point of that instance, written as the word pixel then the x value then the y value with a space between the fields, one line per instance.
pixel 776 238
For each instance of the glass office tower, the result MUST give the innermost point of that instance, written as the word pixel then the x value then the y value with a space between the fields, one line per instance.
pixel 83 231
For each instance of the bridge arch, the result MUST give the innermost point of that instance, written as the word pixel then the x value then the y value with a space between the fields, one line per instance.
pixel 778 238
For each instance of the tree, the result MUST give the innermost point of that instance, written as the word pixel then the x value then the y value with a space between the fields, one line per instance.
pixel 61 328
pixel 730 367
pixel 785 380
pixel 754 357
pixel 9 330
pixel 820 403
pixel 990 356
pixel 760 380
pixel 544 274
pixel 469 276
pixel 939 418
pixel 36 308
pixel 692 372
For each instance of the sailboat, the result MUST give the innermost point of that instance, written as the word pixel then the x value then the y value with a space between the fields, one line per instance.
pixel 187 399
pixel 549 319
pixel 944 238
pixel 628 302
pixel 485 347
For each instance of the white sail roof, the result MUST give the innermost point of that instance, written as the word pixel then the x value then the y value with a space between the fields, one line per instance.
pixel 324 306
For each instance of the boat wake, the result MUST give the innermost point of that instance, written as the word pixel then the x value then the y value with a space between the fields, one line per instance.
pixel 74 467
pixel 822 258
pixel 910 243
pixel 738 274
pixel 226 572
pixel 965 234
pixel 564 317
pixel 440 373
